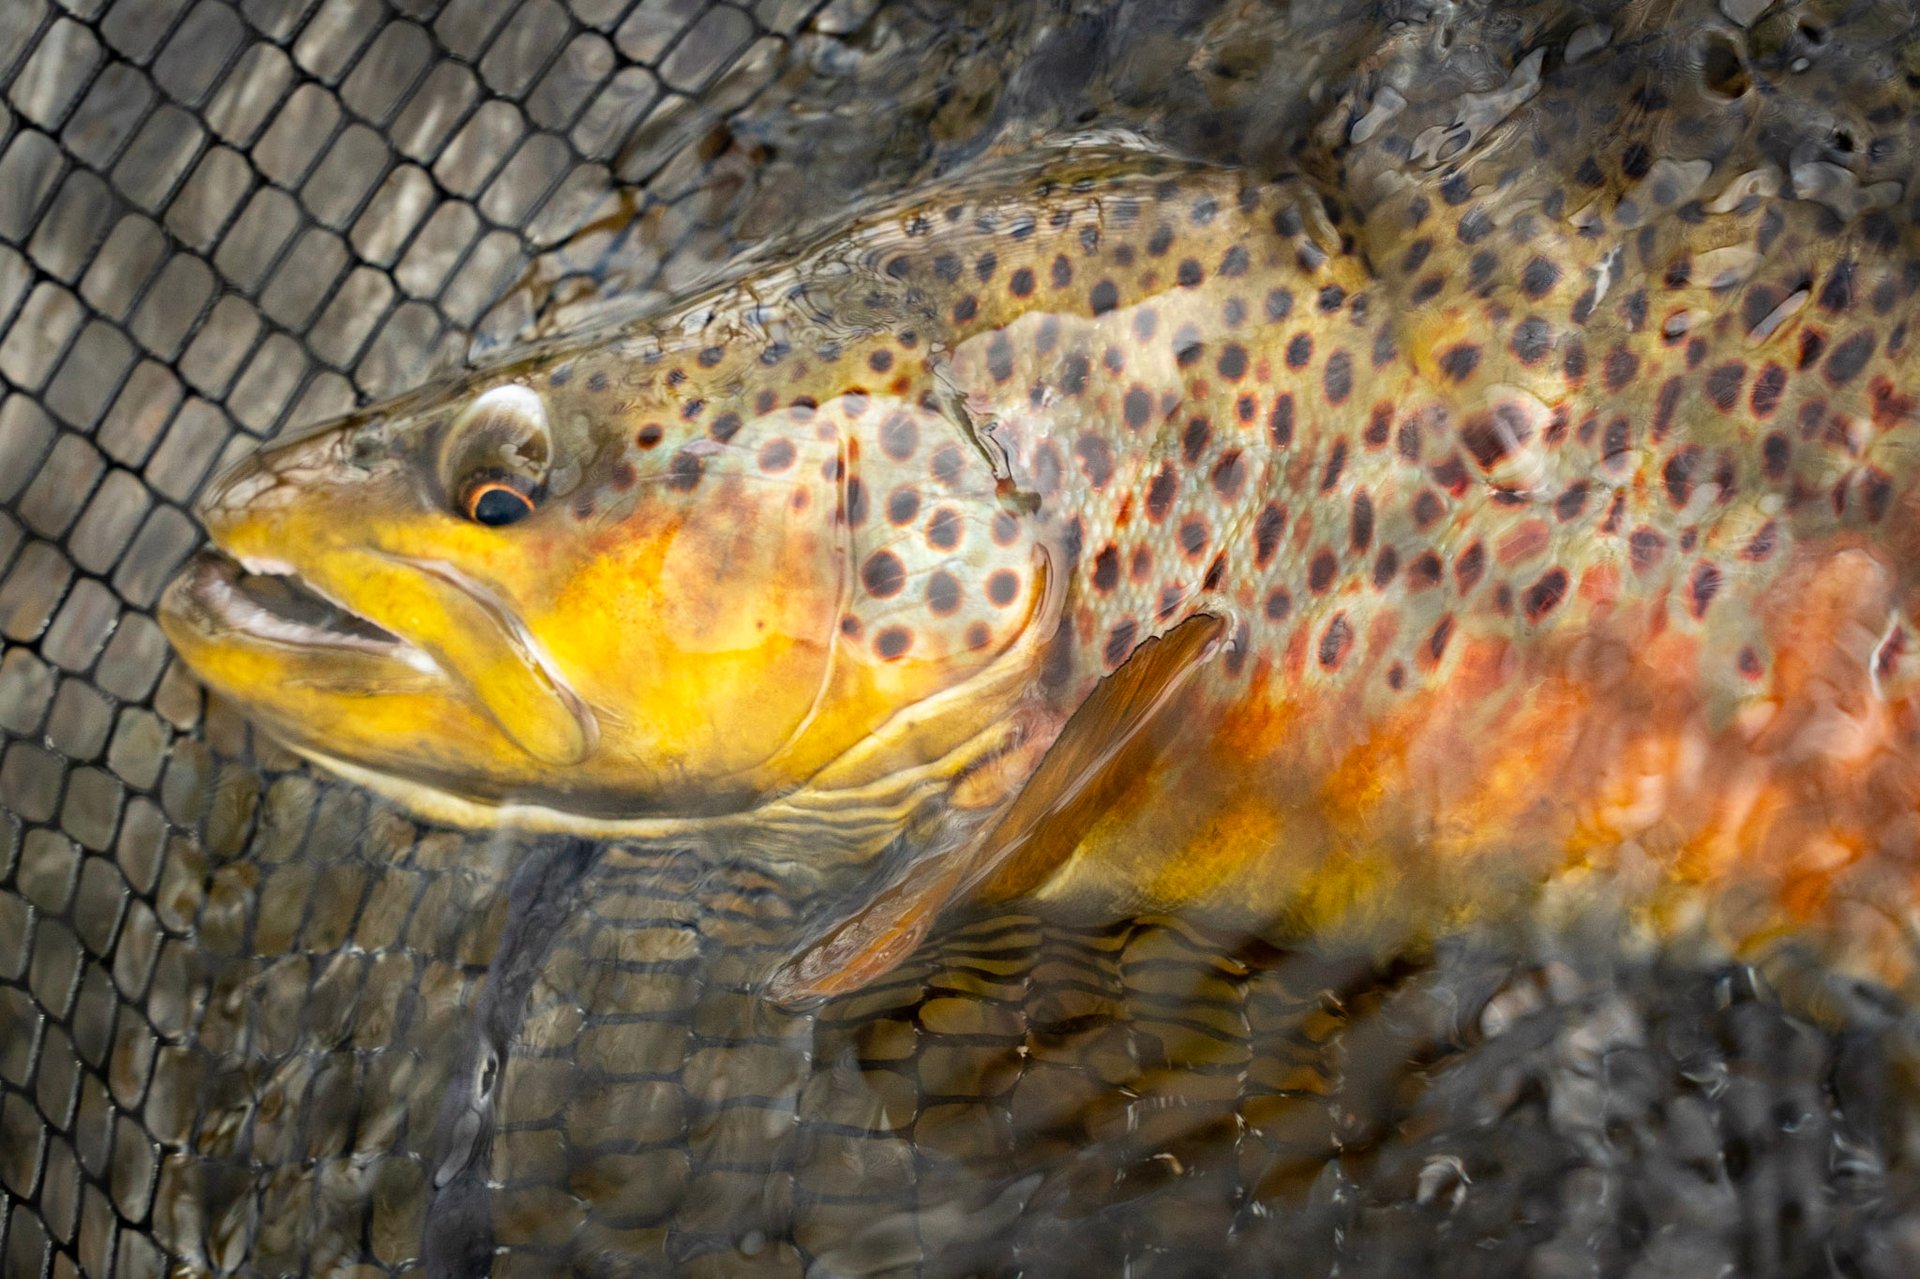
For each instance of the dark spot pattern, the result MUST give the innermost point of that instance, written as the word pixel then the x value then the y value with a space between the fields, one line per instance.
pixel 684 471
pixel 883 575
pixel 1336 642
pixel 943 593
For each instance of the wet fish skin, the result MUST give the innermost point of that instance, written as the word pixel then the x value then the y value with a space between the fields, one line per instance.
pixel 1560 516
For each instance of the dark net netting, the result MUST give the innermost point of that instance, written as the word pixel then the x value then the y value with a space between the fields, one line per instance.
pixel 254 1021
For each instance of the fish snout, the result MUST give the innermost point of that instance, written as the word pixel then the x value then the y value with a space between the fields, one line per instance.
pixel 277 474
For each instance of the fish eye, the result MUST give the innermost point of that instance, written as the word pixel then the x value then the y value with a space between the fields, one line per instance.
pixel 493 458
pixel 496 501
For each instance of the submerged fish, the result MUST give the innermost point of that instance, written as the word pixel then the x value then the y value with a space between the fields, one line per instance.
pixel 1346 549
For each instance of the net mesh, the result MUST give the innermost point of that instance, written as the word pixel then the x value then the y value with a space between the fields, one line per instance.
pixel 216 221
pixel 255 1022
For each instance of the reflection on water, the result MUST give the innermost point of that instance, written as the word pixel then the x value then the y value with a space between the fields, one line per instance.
pixel 1343 711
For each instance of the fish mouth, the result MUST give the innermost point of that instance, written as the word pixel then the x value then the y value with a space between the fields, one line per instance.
pixel 270 602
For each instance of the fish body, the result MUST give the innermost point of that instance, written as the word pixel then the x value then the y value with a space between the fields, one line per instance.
pixel 1326 549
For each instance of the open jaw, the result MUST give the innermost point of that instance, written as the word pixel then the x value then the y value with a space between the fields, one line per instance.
pixel 267 601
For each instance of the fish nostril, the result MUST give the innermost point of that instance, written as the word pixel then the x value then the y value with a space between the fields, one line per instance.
pixel 1722 70
pixel 233 489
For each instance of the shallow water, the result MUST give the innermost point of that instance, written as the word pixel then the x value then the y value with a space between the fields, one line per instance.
pixel 253 1021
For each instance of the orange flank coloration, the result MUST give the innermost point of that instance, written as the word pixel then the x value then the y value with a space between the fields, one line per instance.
pixel 1361 549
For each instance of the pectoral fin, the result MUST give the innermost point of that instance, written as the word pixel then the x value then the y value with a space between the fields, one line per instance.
pixel 1118 730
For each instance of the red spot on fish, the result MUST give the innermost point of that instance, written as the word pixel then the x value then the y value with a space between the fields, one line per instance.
pixel 1523 543
pixel 1888 407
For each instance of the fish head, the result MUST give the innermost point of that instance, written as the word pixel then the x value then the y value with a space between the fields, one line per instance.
pixel 622 588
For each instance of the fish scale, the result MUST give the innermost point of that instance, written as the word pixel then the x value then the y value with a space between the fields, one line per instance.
pixel 1547 517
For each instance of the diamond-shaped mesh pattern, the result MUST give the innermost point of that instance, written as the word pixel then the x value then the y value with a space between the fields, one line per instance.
pixel 218 220
pixel 253 1022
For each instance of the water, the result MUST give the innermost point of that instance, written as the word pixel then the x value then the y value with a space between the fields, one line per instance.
pixel 252 1020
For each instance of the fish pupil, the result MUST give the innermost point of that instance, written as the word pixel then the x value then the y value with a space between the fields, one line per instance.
pixel 497 505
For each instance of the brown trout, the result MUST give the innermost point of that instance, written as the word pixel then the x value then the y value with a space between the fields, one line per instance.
pixel 1355 548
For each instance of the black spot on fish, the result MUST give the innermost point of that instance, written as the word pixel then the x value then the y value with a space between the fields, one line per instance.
pixel 1281 421
pixel 1195 438
pixel 1702 587
pixel 1544 595
pixel 1849 357
pixel 1620 369
pixel 683 472
pixel 1385 567
pixel 1335 642
pixel 1336 463
pixel 1160 493
pixel 1571 501
pixel 1000 357
pixel 1836 295
pixel 1678 475
pixel 1539 277
pixel 1337 380
pixel 1096 459
pixel 1321 572
pixel 1267 528
pixel 1532 339
pixel 1229 474
pixel 1468 567
pixel 1187 346
pixel 1767 390
pixel 1812 344
pixel 1723 385
pixel 1193 535
pixel 1776 453
pixel 1460 360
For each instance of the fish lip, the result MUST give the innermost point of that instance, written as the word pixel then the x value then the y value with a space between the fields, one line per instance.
pixel 213 593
